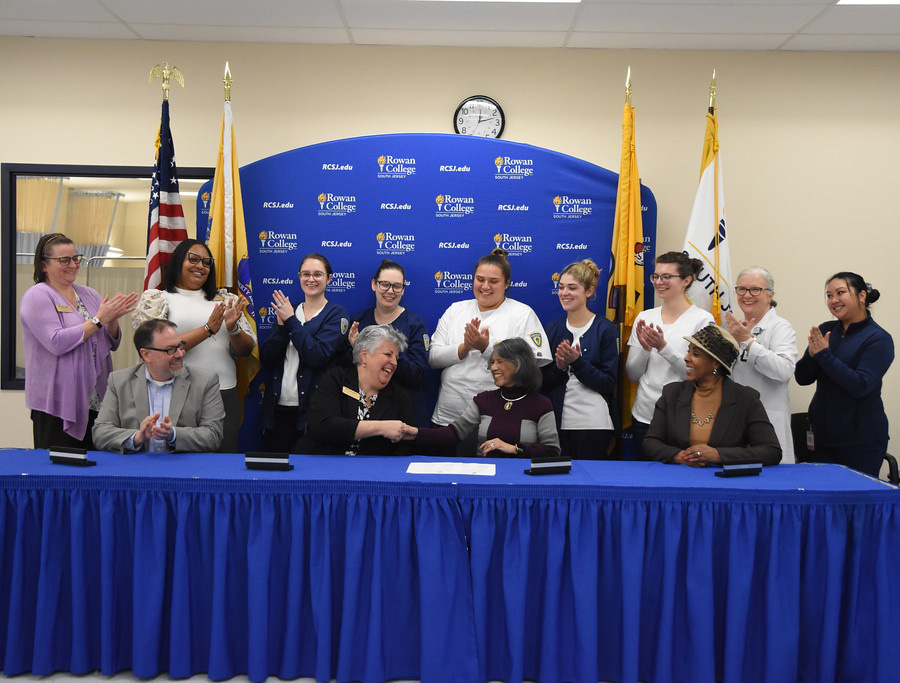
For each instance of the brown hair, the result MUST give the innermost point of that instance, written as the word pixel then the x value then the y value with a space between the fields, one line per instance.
pixel 687 267
pixel 585 273
pixel 497 258
pixel 40 253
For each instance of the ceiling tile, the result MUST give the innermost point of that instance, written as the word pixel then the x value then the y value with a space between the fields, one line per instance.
pixel 68 29
pixel 235 34
pixel 666 18
pixel 282 13
pixel 458 16
pixel 826 43
pixel 677 41
pixel 368 36
pixel 857 20
pixel 61 10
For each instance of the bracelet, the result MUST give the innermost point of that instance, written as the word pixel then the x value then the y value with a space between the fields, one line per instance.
pixel 236 331
pixel 209 329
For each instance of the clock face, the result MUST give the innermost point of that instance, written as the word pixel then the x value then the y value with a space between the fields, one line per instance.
pixel 479 115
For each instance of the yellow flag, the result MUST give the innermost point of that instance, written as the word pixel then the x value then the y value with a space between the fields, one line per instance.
pixel 228 240
pixel 625 294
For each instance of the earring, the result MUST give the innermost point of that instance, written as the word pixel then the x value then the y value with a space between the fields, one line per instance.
pixel 715 371
pixel 364 365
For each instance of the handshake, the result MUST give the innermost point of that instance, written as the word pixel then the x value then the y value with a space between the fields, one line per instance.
pixel 397 430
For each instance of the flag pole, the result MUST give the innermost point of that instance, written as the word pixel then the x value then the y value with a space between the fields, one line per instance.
pixel 716 303
pixel 166 73
pixel 226 81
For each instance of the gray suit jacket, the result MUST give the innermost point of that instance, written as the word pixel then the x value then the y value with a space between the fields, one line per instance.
pixel 741 431
pixel 195 409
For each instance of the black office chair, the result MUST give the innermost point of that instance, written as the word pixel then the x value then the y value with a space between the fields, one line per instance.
pixel 799 427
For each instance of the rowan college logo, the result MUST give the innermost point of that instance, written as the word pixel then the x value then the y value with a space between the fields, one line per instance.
pixel 439 200
pixel 438 276
pixel 263 311
pixel 380 238
pixel 263 236
pixel 536 338
pixel 498 238
pixel 555 278
pixel 205 198
pixel 557 200
pixel 382 160
pixel 498 162
pixel 322 197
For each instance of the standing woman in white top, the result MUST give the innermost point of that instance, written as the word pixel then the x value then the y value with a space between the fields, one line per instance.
pixel 768 346
pixel 467 331
pixel 657 346
pixel 211 323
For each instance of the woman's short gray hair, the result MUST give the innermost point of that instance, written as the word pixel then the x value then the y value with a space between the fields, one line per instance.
pixel 517 351
pixel 373 336
pixel 764 274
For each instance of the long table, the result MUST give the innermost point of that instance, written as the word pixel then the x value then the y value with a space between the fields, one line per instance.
pixel 353 569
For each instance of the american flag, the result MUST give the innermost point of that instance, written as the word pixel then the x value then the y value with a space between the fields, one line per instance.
pixel 166 226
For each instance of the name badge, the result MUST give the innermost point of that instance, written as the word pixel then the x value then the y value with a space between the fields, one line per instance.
pixel 349 392
pixel 62 308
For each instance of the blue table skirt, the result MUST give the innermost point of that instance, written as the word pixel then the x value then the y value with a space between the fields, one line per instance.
pixel 349 568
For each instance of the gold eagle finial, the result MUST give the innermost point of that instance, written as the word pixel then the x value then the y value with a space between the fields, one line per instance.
pixel 166 73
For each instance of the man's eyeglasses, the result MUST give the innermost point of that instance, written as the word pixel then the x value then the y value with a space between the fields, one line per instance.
pixel 384 285
pixel 170 350
pixel 66 260
pixel 662 277
pixel 194 259
pixel 755 291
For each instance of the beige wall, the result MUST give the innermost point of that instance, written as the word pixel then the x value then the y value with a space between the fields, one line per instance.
pixel 810 140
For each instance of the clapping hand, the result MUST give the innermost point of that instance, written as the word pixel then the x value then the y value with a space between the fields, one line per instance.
pixel 353 333
pixel 234 309
pixel 817 342
pixel 112 309
pixel 650 336
pixel 474 337
pixel 739 329
pixel 216 317
pixel 566 354
pixel 145 431
pixel 282 306
pixel 164 430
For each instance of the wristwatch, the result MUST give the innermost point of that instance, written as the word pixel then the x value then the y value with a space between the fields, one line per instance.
pixel 97 322
pixel 746 344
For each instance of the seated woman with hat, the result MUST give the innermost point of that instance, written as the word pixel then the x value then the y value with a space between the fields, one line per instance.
pixel 708 419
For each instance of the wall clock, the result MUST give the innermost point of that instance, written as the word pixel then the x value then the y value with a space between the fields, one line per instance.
pixel 479 115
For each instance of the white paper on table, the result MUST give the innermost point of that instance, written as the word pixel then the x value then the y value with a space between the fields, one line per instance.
pixel 485 469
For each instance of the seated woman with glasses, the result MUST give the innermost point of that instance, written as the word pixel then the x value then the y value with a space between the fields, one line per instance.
pixel 656 347
pixel 768 346
pixel 68 333
pixel 215 330
pixel 299 351
pixel 389 284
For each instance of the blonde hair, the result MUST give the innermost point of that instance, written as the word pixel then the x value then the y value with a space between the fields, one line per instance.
pixel 585 273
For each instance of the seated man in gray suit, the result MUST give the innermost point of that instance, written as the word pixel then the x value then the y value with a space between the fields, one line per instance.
pixel 160 405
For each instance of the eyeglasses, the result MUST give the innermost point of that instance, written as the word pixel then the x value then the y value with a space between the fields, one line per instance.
pixel 194 259
pixel 755 291
pixel 170 350
pixel 65 260
pixel 662 277
pixel 384 285
pixel 306 275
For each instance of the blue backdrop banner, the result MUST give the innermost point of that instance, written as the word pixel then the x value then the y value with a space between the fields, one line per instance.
pixel 435 203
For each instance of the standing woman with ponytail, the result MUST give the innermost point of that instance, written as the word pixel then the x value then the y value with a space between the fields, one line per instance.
pixel 657 345
pixel 581 382
pixel 847 359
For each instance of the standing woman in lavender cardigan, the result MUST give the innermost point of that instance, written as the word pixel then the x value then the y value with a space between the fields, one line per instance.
pixel 68 333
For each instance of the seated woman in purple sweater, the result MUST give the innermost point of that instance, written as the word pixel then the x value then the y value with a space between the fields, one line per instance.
pixel 513 420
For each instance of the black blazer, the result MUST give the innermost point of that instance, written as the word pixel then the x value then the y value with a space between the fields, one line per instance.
pixel 333 416
pixel 741 431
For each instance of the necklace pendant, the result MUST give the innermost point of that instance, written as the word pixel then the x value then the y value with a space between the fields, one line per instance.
pixel 507 405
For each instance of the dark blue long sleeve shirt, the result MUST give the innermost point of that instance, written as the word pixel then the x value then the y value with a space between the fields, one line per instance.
pixel 847 409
